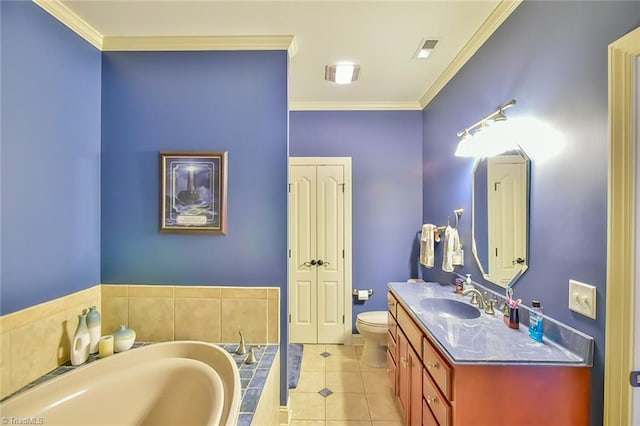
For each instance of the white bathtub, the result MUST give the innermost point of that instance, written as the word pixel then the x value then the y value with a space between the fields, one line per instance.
pixel 181 383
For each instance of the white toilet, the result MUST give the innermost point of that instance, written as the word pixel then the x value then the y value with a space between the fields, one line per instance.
pixel 373 327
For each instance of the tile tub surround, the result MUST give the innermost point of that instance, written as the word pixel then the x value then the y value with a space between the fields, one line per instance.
pixel 212 314
pixel 253 378
pixel 485 340
pixel 36 340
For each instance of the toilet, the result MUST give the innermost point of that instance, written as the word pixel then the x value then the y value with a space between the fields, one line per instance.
pixel 373 327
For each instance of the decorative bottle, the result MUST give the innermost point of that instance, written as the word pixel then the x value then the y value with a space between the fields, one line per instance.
pixel 81 342
pixel 467 285
pixel 123 339
pixel 535 321
pixel 95 328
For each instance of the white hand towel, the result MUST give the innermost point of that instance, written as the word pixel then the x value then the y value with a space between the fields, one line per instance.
pixel 427 254
pixel 458 253
pixel 448 249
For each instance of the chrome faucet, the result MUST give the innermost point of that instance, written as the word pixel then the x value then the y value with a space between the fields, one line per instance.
pixel 476 297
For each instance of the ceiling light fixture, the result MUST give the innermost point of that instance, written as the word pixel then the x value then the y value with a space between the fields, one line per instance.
pixel 341 73
pixel 491 138
pixel 425 48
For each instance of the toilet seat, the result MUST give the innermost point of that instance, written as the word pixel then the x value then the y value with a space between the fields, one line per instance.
pixel 373 319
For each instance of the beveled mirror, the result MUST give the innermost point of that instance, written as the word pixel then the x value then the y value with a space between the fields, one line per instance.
pixel 500 216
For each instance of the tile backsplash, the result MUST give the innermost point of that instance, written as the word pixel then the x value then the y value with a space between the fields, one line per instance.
pixel 36 340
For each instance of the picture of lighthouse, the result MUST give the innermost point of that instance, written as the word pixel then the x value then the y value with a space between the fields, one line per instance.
pixel 194 192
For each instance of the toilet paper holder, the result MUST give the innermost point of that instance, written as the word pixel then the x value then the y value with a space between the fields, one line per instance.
pixel 355 292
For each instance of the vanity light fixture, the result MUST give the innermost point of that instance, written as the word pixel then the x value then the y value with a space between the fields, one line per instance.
pixel 425 48
pixel 490 138
pixel 341 73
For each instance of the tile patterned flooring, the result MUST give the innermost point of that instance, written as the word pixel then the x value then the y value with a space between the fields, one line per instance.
pixel 336 389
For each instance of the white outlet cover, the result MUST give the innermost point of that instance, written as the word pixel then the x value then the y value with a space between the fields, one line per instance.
pixel 582 298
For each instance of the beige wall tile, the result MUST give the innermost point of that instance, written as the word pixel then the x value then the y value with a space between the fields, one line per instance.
pixel 115 311
pixel 243 293
pixel 197 319
pixel 152 318
pixel 5 364
pixel 197 292
pixel 89 297
pixel 273 293
pixel 246 315
pixel 5 323
pixel 110 290
pixel 151 291
pixel 37 312
pixel 35 349
pixel 273 320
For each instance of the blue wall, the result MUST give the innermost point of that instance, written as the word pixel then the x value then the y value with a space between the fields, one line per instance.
pixel 196 101
pixel 50 158
pixel 386 151
pixel 552 58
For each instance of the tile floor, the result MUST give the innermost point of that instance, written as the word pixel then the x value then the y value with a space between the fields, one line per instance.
pixel 336 389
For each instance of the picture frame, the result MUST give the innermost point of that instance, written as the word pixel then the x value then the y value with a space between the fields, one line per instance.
pixel 194 192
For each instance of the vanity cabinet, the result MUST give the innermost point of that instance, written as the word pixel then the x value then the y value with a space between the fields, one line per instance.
pixel 433 390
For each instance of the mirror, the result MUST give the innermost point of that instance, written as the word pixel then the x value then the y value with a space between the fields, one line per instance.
pixel 500 216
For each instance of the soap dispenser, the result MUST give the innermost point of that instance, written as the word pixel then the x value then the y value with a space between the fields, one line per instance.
pixel 467 283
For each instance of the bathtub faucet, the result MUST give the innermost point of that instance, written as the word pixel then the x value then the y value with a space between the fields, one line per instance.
pixel 241 349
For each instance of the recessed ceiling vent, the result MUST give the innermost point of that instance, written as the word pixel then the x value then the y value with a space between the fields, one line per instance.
pixel 425 48
pixel 341 73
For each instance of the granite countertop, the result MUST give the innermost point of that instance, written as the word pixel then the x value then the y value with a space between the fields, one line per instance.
pixel 487 339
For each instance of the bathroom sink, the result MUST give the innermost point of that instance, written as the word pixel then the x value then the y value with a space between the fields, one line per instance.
pixel 450 307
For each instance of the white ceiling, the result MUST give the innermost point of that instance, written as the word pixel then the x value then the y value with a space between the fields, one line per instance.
pixel 380 36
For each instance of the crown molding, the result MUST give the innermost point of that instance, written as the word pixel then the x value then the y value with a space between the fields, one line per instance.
pixel 69 18
pixel 490 25
pixel 175 43
pixel 355 106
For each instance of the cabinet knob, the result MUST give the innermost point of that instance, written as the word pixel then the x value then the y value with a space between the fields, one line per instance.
pixel 431 399
pixel 404 362
pixel 432 365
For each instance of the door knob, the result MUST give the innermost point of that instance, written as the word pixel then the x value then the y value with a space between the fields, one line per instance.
pixel 320 262
pixel 518 260
pixel 313 262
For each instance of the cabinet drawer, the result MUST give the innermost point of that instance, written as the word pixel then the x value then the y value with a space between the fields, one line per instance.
pixel 437 367
pixel 435 401
pixel 393 326
pixel 391 370
pixel 392 303
pixel 410 329
pixel 392 346
pixel 427 416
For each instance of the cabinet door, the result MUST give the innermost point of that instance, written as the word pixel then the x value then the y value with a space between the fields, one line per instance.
pixel 403 374
pixel 415 388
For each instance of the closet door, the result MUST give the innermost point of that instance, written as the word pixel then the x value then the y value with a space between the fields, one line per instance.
pixel 316 228
pixel 303 285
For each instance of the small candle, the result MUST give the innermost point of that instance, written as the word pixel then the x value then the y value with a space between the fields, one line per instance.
pixel 105 347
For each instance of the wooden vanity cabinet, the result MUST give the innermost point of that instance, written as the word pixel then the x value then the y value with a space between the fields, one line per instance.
pixel 431 390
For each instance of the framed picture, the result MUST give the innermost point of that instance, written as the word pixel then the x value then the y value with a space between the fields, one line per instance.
pixel 194 192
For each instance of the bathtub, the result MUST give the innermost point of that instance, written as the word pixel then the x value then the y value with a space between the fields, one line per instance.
pixel 181 383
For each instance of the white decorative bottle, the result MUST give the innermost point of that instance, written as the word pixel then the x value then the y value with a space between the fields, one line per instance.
pixel 81 342
pixel 95 329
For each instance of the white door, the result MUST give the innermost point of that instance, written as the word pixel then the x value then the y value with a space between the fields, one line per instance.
pixel 317 257
pixel 507 205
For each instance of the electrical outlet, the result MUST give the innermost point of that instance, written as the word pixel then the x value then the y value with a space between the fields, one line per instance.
pixel 582 298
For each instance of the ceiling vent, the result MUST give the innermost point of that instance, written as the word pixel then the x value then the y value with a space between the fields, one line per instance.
pixel 341 73
pixel 425 48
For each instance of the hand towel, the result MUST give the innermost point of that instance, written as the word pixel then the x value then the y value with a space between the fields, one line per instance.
pixel 458 253
pixel 450 236
pixel 427 255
